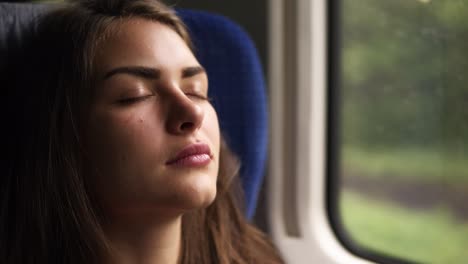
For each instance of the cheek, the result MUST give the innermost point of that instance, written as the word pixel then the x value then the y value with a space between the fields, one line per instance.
pixel 117 141
pixel 122 149
pixel 212 127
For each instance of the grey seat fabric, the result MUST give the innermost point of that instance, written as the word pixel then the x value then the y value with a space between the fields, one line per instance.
pixel 15 23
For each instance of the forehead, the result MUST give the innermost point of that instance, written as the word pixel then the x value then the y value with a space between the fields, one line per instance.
pixel 143 42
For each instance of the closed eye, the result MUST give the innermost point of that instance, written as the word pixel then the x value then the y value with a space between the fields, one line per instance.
pixel 132 100
pixel 198 96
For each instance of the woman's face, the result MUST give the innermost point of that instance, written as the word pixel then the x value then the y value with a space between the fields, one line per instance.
pixel 151 136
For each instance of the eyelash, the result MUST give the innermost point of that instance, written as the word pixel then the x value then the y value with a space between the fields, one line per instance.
pixel 132 100
pixel 199 96
pixel 128 101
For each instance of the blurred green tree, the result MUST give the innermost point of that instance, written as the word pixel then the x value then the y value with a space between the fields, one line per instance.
pixel 404 73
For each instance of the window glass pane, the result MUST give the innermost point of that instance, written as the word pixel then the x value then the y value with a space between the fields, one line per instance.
pixel 404 128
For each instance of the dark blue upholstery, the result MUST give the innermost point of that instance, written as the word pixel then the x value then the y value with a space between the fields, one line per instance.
pixel 235 76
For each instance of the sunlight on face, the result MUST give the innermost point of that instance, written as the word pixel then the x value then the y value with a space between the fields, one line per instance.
pixel 152 137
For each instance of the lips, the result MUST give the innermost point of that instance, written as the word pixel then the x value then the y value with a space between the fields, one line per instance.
pixel 194 155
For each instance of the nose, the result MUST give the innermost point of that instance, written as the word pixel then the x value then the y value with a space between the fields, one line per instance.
pixel 184 115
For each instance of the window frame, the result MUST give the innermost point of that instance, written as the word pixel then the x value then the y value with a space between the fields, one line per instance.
pixel 298 80
pixel 303 180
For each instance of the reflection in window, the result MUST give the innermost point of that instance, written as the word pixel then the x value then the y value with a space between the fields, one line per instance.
pixel 404 128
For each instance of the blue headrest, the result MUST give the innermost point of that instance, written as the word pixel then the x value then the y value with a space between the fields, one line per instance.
pixel 235 77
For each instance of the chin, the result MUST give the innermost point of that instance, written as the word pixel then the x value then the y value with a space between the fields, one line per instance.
pixel 198 196
pixel 192 194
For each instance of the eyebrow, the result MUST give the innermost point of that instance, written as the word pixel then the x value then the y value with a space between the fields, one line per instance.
pixel 139 71
pixel 151 73
pixel 192 71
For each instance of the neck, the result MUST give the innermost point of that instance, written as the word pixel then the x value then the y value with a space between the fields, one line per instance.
pixel 145 242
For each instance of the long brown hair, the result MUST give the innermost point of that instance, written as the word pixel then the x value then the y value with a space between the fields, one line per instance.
pixel 47 214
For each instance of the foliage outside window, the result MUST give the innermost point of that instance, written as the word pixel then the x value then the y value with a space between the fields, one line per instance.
pixel 404 128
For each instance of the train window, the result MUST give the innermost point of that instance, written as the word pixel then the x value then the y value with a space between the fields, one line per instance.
pixel 402 125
